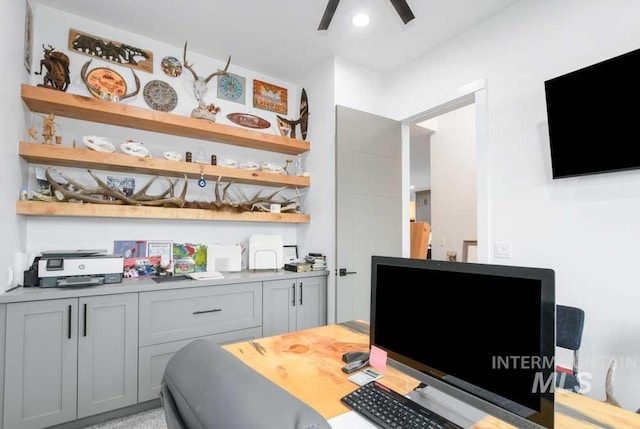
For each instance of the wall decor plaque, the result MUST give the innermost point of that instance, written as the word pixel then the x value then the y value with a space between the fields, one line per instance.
pixel 249 121
pixel 269 97
pixel 107 81
pixel 171 66
pixel 160 96
pixel 232 87
pixel 108 50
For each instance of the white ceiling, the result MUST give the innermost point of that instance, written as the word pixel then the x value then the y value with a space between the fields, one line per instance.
pixel 279 38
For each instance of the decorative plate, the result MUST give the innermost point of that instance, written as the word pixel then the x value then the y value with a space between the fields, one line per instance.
pixel 231 87
pixel 247 120
pixel 171 66
pixel 160 96
pixel 133 148
pixel 107 81
pixel 100 144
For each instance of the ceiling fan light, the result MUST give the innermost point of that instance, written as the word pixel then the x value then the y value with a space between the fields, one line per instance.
pixel 361 20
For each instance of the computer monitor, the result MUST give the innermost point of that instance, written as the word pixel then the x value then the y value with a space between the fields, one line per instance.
pixel 482 333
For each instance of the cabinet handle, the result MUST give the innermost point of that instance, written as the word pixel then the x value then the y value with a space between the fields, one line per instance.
pixel 300 293
pixel 85 320
pixel 215 310
pixel 293 301
pixel 69 324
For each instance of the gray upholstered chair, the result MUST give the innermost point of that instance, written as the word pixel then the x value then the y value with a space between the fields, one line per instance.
pixel 569 328
pixel 206 387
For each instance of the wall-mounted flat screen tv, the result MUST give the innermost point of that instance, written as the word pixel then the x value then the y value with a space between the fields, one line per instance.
pixel 594 119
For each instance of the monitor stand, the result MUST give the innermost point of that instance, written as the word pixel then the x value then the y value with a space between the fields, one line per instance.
pixel 447 406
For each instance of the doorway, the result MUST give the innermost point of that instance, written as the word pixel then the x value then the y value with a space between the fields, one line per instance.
pixel 353 290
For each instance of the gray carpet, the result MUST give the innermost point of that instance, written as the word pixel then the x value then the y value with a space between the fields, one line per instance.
pixel 152 419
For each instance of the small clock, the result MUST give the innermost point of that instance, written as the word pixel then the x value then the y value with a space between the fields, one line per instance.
pixel 231 87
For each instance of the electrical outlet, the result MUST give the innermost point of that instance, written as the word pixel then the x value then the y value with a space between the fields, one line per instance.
pixel 443 242
pixel 10 277
pixel 502 250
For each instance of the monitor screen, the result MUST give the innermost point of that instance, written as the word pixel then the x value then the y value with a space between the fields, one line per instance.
pixel 592 119
pixel 483 333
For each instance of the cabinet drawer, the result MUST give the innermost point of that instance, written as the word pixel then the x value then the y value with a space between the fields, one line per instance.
pixel 174 315
pixel 153 359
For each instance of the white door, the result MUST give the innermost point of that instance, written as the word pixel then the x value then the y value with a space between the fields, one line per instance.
pixel 368 204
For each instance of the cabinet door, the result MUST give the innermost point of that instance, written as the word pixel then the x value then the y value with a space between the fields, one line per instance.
pixel 107 353
pixel 153 359
pixel 41 363
pixel 311 308
pixel 279 311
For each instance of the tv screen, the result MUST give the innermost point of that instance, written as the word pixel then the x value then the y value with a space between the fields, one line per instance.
pixel 485 333
pixel 592 118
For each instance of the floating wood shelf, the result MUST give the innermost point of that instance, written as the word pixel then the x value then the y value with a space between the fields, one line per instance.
pixel 37 153
pixel 46 100
pixel 40 208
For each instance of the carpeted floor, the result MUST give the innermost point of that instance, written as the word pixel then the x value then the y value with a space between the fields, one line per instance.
pixel 152 419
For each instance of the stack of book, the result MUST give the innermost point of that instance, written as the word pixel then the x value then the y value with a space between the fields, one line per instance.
pixel 317 260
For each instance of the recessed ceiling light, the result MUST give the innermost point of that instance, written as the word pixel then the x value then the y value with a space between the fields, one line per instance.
pixel 361 20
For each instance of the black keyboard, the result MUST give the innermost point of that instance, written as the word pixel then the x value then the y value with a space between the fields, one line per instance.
pixel 388 409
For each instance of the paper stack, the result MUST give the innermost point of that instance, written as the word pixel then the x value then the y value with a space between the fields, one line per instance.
pixel 317 260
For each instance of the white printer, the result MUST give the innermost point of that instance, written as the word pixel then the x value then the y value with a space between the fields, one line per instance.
pixel 65 268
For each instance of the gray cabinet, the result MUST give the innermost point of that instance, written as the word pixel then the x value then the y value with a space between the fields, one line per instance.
pixel 41 363
pixel 69 358
pixel 107 353
pixel 171 319
pixel 294 304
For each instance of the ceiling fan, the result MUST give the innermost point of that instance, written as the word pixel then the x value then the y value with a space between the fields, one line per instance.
pixel 401 7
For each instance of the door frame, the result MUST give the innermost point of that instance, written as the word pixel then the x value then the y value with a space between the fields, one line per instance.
pixel 474 92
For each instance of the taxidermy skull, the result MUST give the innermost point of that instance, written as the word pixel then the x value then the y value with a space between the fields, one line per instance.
pixel 200 83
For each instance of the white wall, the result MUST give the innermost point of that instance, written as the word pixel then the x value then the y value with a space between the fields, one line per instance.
pixel 584 228
pixel 12 120
pixel 453 182
pixel 319 234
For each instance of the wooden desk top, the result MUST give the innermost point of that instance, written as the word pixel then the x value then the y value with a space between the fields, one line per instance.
pixel 307 364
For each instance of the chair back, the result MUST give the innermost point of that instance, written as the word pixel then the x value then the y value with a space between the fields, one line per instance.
pixel 569 327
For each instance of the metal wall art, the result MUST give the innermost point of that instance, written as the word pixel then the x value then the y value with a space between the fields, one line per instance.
pixel 108 50
pixel 160 96
pixel 269 97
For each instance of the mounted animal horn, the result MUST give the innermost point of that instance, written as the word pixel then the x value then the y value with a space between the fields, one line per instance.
pixel 200 84
pixel 97 92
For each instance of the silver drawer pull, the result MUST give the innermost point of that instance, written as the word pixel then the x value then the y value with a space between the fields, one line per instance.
pixel 215 310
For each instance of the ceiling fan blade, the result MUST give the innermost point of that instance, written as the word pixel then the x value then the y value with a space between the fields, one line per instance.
pixel 403 10
pixel 328 14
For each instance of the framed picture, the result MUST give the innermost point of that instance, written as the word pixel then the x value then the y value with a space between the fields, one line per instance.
pixel 290 253
pixel 269 97
pixel 232 87
pixel 28 36
pixel 160 248
pixel 469 251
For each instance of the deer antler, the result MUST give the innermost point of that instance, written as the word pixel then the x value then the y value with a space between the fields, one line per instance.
pixel 220 72
pixel 200 84
pixel 73 190
pixel 186 64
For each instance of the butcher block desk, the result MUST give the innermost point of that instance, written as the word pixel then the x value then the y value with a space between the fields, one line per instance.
pixel 307 364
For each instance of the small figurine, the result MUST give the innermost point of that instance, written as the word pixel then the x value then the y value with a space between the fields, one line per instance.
pixel 33 133
pixel 57 65
pixel 205 111
pixel 48 129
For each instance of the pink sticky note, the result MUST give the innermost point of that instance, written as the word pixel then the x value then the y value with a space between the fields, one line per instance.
pixel 378 358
